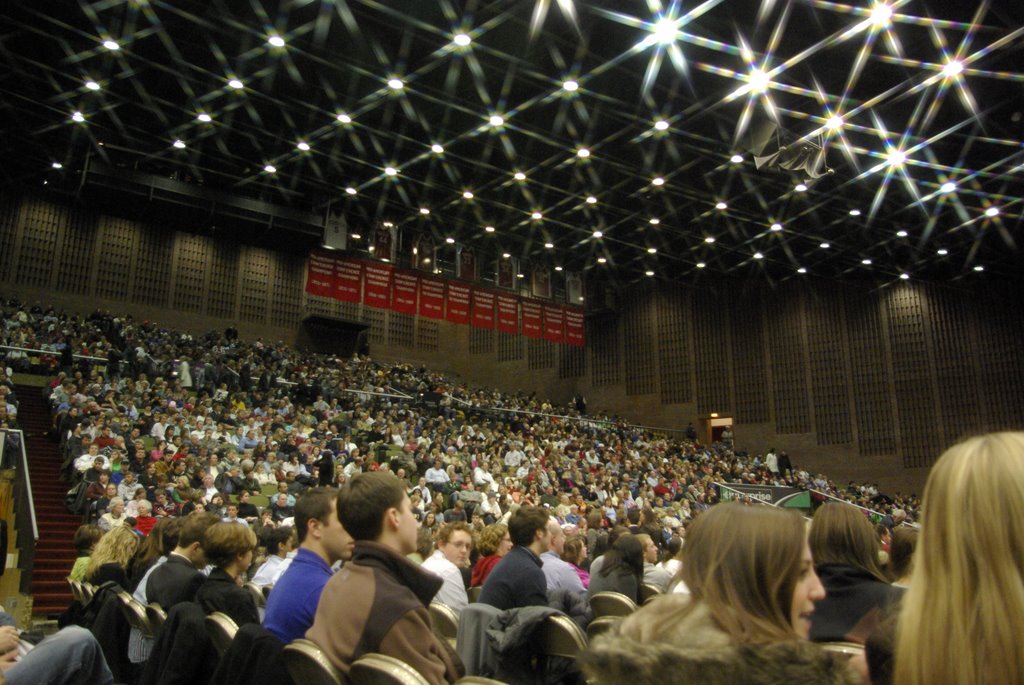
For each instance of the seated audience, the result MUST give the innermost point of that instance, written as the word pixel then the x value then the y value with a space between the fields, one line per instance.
pixel 454 543
pixel 379 604
pixel 574 553
pixel 179 578
pixel 901 555
pixel 229 547
pixel 558 574
pixel 654 574
pixel 86 538
pixel 493 544
pixel 115 517
pixel 518 579
pixel 622 569
pixel 109 561
pixel 278 542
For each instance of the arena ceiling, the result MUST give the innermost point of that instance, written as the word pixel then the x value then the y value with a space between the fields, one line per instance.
pixel 611 136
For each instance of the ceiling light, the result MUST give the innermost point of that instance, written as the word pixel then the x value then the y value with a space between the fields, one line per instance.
pixel 519 176
pixel 467 195
pixel 395 84
pixel 462 39
pixel 558 268
pixel 721 205
pixel 583 153
pixel 895 157
pixel 736 159
pixel 496 120
pixel 351 191
pixel 111 45
pixel 505 255
pixel 270 169
pixel 180 144
pixel 489 229
pixel 854 212
pixel 598 234
pixel 901 234
pixel 649 273
pixel 276 41
pixel 388 224
pixel 758 255
pixel 701 265
pixel 953 68
pixel 800 187
pixel 57 165
pixel 236 84
pixel 866 262
pixel 709 239
pixel 549 245
pixel 602 260
pixel 661 125
pixel 92 85
pixel 834 123
pixel 390 171
pixel 942 252
pixel 571 86
pixel 881 14
pixel 904 277
pixel 303 145
pixel 654 221
pixel 652 250
pixel 979 268
pixel 450 240
pixel 801 270
pixel 776 227
pixel 520 276
pixel 356 236
pixel 437 149
pixel 992 211
pixel 77 116
pixel 424 211
pixel 948 187
pixel 344 118
pixel 591 200
pixel 536 216
pixel 204 117
pixel 759 80
pixel 665 30
pixel 824 246
pixel 658 181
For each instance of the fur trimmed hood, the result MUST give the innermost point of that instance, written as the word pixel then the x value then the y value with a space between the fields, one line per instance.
pixel 696 651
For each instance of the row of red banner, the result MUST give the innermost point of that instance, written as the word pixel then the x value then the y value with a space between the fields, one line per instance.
pixel 380 285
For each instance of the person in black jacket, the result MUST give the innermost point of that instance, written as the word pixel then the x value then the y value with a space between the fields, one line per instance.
pixel 229 547
pixel 178 579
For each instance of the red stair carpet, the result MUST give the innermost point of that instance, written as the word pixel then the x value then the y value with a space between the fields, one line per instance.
pixel 55 552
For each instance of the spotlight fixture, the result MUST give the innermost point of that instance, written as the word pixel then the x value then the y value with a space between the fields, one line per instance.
pixel 602 260
pixel 344 118
pixel 709 240
pixel 649 273
pixel 396 84
pixel 77 117
pixel 571 86
pixel 942 252
pixel 270 169
pixel 179 144
pixel 496 120
pixel 759 80
pixel 721 206
pixel 661 125
pixel 489 229
pixel 351 191
pixel 505 255
pixel 591 200
pixel 992 212
pixel 701 265
pixel 664 31
pixel 57 165
pixel 111 45
pixel 901 234
pixel 736 159
pixel 519 176
pixel 467 195
pixel 979 267
pixel 462 39
pixel 654 221
pixel 204 117
pixel 904 277
pixel 758 255
pixel 952 68
pixel 303 146
pixel 824 246
pixel 801 270
pixel 450 240
pixel 854 212
pixel 947 187
pixel 536 216
pixel 598 234
pixel 236 84
pixel 658 181
pixel 276 41
pixel 866 262
pixel 652 250
pixel 834 123
pixel 92 85
pixel 424 211
pixel 390 171
pixel 549 245
pixel 881 14
pixel 558 268
pixel 800 187
pixel 776 227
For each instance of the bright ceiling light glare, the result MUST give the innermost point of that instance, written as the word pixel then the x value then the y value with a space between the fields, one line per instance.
pixel 904 277
pixel 489 229
pixel 496 120
pixel 758 80
pixel 901 234
pixel 236 84
pixel 776 227
pixel 947 187
pixel 462 39
pixel 721 206
pixel 648 273
pixel 77 117
pixel 92 85
pixel 591 200
pixel 344 118
pixel 652 250
pixel 549 245
pixel 505 255
pixel 665 31
pixel 709 240
pixel 536 216
pixel 520 275
pixel 180 144
pixel 979 268
pixel 658 181
pixel 583 153
pixel 881 15
pixel 854 212
pixel 800 187
pixel 942 252
pixel 57 165
pixel 303 146
pixel 758 255
pixel 602 260
pixel 270 169
pixel 654 221
pixel 558 268
pixel 390 171
pixel 661 125
pixel 396 84
pixel 834 122
pixel 351 191
pixel 424 211
pixel 571 86
pixel 467 195
pixel 519 176
pixel 701 265
pixel 204 117
pixel 450 240
pixel 598 234
pixel 866 262
pixel 437 149
pixel 276 41
pixel 952 68
pixel 356 236
pixel 736 159
pixel 824 246
pixel 111 45
pixel 895 158
pixel 992 212
pixel 801 270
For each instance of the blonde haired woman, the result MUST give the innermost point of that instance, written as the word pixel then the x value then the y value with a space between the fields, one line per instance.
pixel 753 590
pixel 963 616
pixel 110 559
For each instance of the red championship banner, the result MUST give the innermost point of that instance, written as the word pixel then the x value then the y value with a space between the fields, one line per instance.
pixel 377 285
pixel 554 323
pixel 348 281
pixel 483 308
pixel 533 327
pixel 403 292
pixel 457 303
pixel 574 329
pixel 431 298
pixel 320 275
pixel 508 313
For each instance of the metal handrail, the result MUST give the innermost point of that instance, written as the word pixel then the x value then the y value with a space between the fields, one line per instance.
pixel 870 511
pixel 51 352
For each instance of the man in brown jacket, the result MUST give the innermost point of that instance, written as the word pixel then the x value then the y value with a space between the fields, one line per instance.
pixel 378 602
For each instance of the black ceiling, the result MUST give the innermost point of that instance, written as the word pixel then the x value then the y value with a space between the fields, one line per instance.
pixel 887 79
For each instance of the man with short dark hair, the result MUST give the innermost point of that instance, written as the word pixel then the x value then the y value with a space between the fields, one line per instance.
pixel 178 579
pixel 378 602
pixel 517 580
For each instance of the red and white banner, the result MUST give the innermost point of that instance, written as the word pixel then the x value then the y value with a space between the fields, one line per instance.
pixel 508 313
pixel 431 298
pixel 533 326
pixel 574 329
pixel 554 323
pixel 377 285
pixel 403 292
pixel 320 275
pixel 457 303
pixel 483 308
pixel 348 281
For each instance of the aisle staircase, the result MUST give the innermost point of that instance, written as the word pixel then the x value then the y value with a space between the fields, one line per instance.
pixel 55 551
